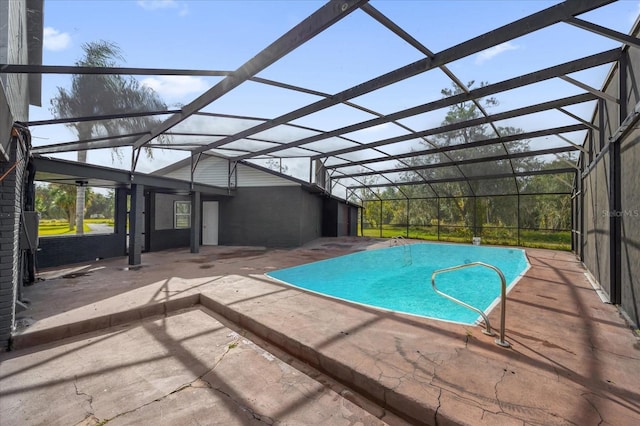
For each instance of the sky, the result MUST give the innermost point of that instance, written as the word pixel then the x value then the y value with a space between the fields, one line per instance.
pixel 222 35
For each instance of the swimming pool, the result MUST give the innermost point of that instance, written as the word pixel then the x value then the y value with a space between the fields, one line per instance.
pixel 399 278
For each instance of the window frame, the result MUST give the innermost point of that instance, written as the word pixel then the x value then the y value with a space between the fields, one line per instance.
pixel 179 216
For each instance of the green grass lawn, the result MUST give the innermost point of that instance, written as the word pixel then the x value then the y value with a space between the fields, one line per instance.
pixel 48 227
pixel 557 240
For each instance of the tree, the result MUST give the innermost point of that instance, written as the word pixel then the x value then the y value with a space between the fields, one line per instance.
pixel 464 207
pixel 467 205
pixel 549 211
pixel 371 202
pixel 102 205
pixel 54 201
pixel 44 201
pixel 99 95
pixel 62 200
pixel 276 165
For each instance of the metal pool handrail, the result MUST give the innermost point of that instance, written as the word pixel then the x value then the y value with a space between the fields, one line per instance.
pixel 503 298
pixel 397 241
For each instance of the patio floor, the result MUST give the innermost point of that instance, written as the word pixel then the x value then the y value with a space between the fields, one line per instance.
pixel 207 339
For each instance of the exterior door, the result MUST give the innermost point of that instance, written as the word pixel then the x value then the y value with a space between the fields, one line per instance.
pixel 210 223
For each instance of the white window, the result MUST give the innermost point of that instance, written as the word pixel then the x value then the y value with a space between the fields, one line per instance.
pixel 182 214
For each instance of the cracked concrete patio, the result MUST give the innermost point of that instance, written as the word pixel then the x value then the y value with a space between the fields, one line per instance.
pixel 208 339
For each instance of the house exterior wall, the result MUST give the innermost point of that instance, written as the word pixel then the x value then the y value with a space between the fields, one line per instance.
pixel 210 170
pixel 329 217
pixel 269 216
pixel 10 210
pixel 215 171
pixel 250 177
pixel 353 221
pixel 267 209
pixel 343 219
pixel 14 106
pixel 13 50
pixel 310 217
pixel 164 217
pixel 280 216
pixel 338 219
pixel 161 233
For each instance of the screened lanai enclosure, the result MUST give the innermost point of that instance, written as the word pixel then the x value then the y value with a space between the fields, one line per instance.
pixel 363 102
pixel 496 158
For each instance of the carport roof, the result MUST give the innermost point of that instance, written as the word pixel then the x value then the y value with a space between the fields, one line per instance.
pixel 74 173
pixel 367 135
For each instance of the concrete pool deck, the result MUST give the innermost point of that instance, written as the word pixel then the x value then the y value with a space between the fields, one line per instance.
pixel 207 338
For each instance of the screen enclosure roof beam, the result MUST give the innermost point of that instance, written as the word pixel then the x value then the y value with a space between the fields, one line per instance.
pixel 545 106
pixel 471 178
pixel 317 22
pixel 523 154
pixel 521 27
pixel 603 31
pixel 492 89
pixel 509 138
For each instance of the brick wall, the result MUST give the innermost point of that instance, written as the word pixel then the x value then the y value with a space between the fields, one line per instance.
pixel 14 96
pixel 10 210
pixel 267 216
pixel 56 251
pixel 169 238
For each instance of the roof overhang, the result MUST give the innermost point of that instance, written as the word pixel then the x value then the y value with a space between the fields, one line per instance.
pixel 73 173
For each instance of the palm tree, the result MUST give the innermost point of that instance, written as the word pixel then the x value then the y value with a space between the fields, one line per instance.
pixel 98 95
pixel 64 198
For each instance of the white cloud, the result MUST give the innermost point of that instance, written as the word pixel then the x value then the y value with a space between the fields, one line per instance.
pixel 176 87
pixel 163 4
pixel 157 4
pixel 376 129
pixel 55 40
pixel 488 54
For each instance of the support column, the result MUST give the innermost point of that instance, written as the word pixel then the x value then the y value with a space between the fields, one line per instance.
pixel 380 222
pixel 120 217
pixel 518 219
pixel 580 211
pixel 196 224
pixel 615 222
pixel 474 230
pixel 602 113
pixel 136 224
pixel 615 189
pixel 407 218
pixel 438 207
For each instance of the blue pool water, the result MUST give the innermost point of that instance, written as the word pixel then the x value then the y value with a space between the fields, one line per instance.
pixel 399 278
